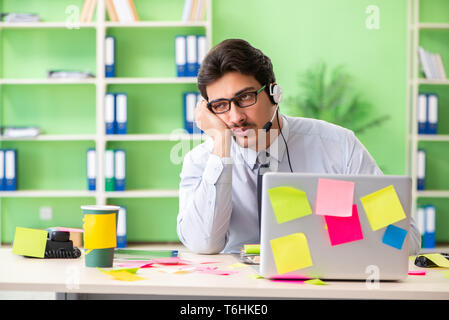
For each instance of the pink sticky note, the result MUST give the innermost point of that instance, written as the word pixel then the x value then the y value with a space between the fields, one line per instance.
pixel 136 264
pixel 417 273
pixel 289 281
pixel 334 198
pixel 69 229
pixel 170 260
pixel 344 229
pixel 289 277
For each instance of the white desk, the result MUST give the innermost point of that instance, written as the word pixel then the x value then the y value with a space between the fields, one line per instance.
pixel 70 276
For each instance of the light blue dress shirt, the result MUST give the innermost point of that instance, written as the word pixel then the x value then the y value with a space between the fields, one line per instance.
pixel 218 196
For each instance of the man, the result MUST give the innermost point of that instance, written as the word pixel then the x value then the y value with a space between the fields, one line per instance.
pixel 218 207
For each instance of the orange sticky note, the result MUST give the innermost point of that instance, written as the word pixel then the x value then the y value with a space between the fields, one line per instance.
pixel 383 207
pixel 291 252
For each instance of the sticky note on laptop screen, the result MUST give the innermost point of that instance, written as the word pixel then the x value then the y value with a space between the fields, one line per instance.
pixel 344 229
pixel 30 242
pixel 334 198
pixel 383 207
pixel 289 203
pixel 291 252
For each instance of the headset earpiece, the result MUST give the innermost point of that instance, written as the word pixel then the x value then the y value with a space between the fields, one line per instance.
pixel 275 93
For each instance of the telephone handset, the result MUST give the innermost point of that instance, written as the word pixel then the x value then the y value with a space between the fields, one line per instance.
pixel 59 245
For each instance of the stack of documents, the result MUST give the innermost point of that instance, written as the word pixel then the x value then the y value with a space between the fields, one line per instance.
pixel 20 17
pixel 20 132
pixel 62 74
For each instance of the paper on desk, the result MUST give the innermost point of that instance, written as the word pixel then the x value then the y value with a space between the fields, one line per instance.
pixel 438 259
pixel 171 261
pixel 214 270
pixel 136 264
pixel 334 198
pixel 289 203
pixel 394 236
pixel 383 207
pixel 30 242
pixel 344 229
pixel 417 272
pixel 291 252
pixel 316 282
pixel 128 274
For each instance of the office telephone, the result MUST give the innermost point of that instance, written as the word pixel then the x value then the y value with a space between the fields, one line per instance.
pixel 60 246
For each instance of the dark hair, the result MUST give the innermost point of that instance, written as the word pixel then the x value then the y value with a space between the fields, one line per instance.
pixel 234 55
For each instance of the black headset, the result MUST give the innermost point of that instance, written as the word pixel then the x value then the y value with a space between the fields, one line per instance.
pixel 275 95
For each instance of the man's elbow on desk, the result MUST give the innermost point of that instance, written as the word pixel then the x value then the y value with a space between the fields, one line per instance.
pixel 206 246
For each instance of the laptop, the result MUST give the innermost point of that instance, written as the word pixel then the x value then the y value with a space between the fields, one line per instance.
pixel 366 258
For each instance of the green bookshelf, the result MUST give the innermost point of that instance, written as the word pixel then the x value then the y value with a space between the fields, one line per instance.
pixel 52 167
pixel 429 26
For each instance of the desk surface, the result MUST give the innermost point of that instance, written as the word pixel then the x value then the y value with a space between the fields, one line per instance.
pixel 71 276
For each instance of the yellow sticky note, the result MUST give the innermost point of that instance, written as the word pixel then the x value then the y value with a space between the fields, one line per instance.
pixel 291 253
pixel 289 203
pixel 100 231
pixel 383 208
pixel 123 274
pixel 30 242
pixel 438 259
pixel 316 282
pixel 239 265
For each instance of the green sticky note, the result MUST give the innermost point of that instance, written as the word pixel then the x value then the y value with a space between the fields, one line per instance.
pixel 252 248
pixel 30 242
pixel 289 203
pixel 383 208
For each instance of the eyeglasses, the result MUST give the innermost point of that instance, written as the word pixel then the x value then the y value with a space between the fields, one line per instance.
pixel 242 100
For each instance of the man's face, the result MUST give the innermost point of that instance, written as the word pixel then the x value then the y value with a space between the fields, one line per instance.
pixel 244 122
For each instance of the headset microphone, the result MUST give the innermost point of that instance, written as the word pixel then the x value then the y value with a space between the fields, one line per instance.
pixel 268 125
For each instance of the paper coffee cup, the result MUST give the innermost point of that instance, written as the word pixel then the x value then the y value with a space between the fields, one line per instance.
pixel 100 234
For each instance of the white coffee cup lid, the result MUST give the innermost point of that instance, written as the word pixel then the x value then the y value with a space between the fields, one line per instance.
pixel 95 207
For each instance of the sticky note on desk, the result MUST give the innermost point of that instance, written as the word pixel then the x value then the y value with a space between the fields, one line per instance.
pixel 30 242
pixel 334 198
pixel 383 207
pixel 438 259
pixel 291 252
pixel 289 203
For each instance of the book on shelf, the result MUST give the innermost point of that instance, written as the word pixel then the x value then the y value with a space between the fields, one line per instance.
pixel 121 228
pixel 421 169
pixel 190 51
pixel 427 113
pixel 116 113
pixel 122 11
pixel 114 169
pixel 429 227
pixel 87 12
pixel 109 57
pixel 431 65
pixel 191 99
pixel 8 169
pixel 194 10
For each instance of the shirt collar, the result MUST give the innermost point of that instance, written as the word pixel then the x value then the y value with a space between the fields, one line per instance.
pixel 276 149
